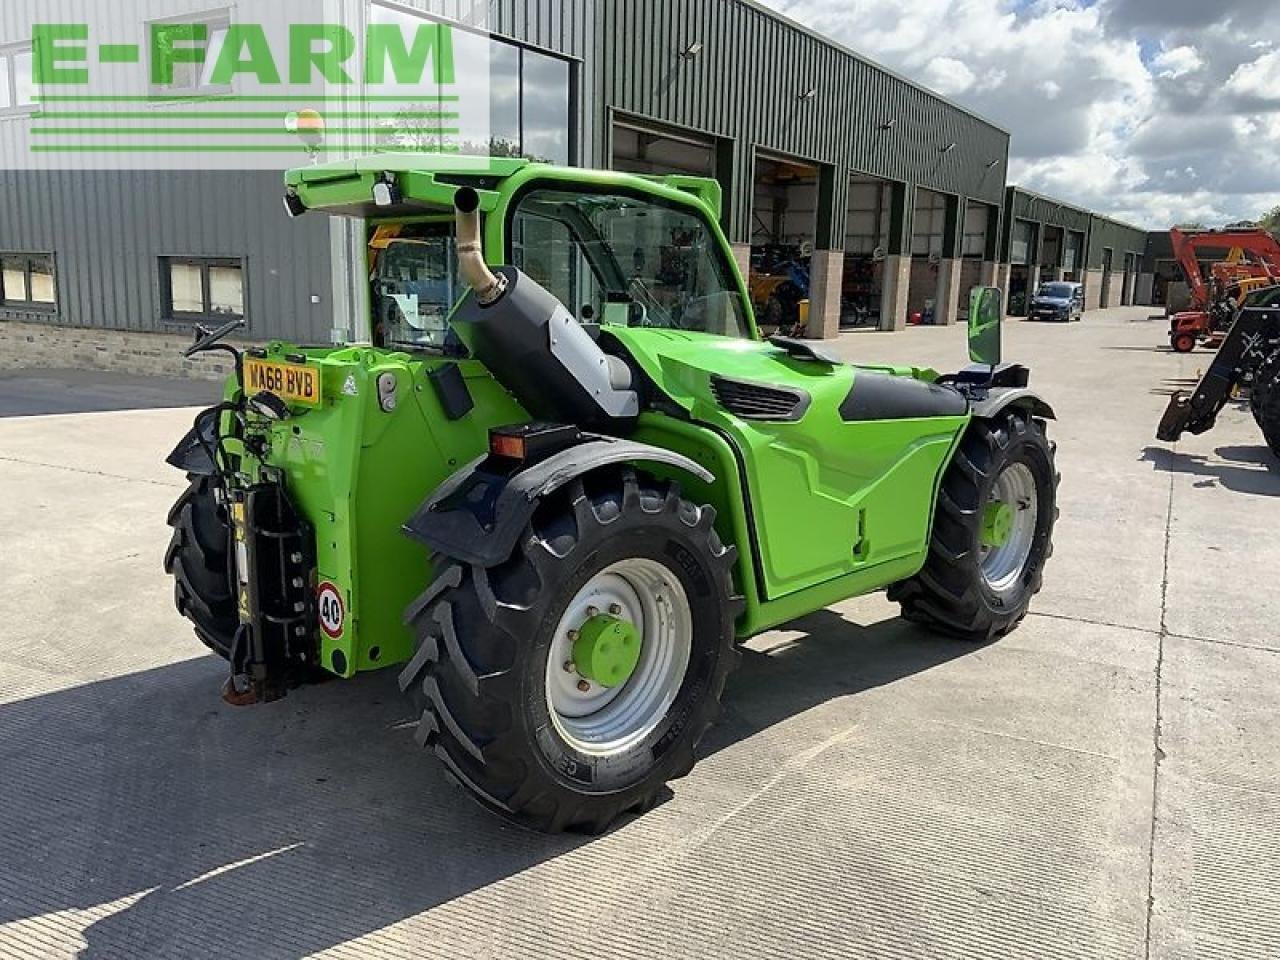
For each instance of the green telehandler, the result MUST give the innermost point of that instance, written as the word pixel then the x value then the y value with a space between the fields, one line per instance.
pixel 565 478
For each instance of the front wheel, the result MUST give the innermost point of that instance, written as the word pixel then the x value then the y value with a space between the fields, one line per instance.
pixel 1265 401
pixel 1183 342
pixel 992 532
pixel 568 684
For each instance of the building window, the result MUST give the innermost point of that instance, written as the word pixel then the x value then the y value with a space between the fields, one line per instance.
pixel 205 32
pixel 17 88
pixel 530 97
pixel 27 281
pixel 199 288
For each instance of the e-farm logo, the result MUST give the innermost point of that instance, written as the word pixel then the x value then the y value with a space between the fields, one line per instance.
pixel 210 86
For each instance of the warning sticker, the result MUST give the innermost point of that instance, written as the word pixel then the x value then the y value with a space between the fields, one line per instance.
pixel 331 609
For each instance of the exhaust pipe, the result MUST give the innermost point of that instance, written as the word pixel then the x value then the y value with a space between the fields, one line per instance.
pixel 488 287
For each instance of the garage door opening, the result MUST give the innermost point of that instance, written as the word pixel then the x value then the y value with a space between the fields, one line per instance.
pixel 1130 279
pixel 1023 240
pixel 1051 253
pixel 1108 267
pixel 929 226
pixel 1073 257
pixel 1169 285
pixel 866 242
pixel 979 220
pixel 784 225
pixel 644 150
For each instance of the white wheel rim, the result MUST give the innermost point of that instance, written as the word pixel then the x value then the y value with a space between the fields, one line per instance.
pixel 1004 565
pixel 600 721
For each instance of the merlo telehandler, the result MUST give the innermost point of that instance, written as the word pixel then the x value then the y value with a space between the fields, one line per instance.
pixel 565 478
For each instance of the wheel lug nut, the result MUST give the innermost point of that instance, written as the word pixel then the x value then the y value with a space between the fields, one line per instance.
pixel 570 666
pixel 584 686
pixel 615 609
pixel 592 612
pixel 573 636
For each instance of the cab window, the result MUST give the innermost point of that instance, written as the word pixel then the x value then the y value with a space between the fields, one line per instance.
pixel 626 260
pixel 414 283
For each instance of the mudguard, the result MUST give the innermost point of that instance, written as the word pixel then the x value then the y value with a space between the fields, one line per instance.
pixel 478 514
pixel 999 399
pixel 191 455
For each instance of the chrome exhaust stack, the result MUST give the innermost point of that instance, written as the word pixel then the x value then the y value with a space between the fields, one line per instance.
pixel 488 287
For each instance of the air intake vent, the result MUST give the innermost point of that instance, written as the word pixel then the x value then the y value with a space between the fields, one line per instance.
pixel 755 401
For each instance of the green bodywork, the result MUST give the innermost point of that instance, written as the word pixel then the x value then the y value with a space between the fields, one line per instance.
pixel 820 509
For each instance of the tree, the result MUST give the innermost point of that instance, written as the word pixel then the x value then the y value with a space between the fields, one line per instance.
pixel 1271 222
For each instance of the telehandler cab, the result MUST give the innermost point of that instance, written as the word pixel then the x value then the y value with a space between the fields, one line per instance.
pixel 607 480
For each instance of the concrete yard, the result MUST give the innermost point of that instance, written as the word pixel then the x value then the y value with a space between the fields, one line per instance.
pixel 1105 782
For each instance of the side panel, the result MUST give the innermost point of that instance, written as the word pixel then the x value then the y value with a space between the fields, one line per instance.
pixel 737 524
pixel 828 499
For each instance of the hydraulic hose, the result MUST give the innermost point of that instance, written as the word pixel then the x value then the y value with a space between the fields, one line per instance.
pixel 488 287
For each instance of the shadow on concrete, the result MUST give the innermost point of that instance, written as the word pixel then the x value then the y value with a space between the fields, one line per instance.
pixel 1174 385
pixel 1158 348
pixel 183 827
pixel 1251 470
pixel 34 393
pixel 1261 456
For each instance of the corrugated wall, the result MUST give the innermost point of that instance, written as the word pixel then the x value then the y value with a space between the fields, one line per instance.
pixel 747 85
pixel 1121 238
pixel 108 230
pixel 1024 205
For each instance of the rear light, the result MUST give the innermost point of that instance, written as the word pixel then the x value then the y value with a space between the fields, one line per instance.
pixel 532 441
pixel 502 445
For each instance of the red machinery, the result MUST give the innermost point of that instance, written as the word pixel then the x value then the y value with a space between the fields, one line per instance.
pixel 1254 262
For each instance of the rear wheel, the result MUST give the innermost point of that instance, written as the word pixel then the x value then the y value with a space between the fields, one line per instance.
pixel 199 560
pixel 992 532
pixel 568 684
pixel 1265 401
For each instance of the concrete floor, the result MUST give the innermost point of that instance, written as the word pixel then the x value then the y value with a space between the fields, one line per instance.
pixel 1102 783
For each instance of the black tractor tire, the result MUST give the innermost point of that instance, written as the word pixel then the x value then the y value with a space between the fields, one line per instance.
pixel 1265 401
pixel 950 594
pixel 484 636
pixel 199 560
pixel 1183 342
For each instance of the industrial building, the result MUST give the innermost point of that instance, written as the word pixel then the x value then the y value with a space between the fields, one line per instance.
pixel 1045 239
pixel 894 198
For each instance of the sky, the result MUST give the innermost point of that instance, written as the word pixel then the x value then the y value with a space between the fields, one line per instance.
pixel 1154 111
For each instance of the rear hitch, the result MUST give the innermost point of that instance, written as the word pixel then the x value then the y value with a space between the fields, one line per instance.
pixel 277 644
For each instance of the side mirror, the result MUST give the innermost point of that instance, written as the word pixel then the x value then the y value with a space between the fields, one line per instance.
pixel 985 318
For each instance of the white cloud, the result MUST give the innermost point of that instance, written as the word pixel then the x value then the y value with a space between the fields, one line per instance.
pixel 1172 64
pixel 1094 120
pixel 948 76
pixel 1259 79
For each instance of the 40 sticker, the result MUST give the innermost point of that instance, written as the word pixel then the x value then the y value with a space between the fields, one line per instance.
pixel 332 611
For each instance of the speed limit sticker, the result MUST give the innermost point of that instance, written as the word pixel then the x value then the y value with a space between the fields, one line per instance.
pixel 331 609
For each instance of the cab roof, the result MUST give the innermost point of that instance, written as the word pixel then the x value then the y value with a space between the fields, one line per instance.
pixel 425 183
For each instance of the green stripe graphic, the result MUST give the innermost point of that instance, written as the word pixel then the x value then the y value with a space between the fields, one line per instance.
pixel 219 148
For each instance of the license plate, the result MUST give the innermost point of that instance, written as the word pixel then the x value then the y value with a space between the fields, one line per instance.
pixel 291 382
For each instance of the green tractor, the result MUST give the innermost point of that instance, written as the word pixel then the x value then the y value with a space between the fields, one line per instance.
pixel 559 494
